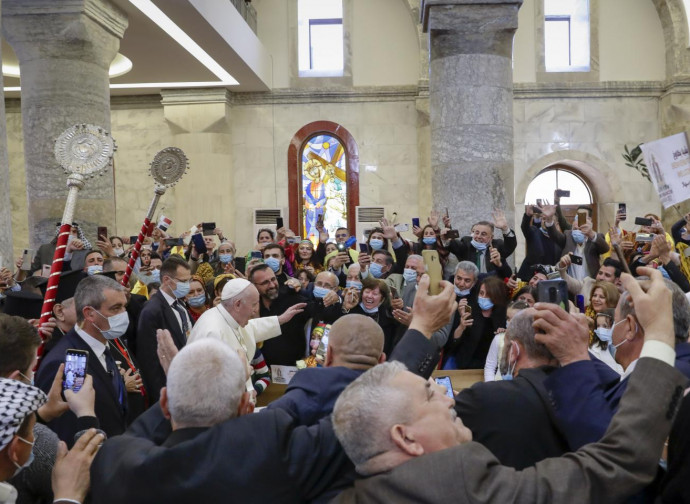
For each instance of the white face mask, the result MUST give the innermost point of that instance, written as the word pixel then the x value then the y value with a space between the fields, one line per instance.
pixel 118 325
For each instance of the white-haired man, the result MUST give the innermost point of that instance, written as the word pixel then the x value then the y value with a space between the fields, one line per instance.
pixel 234 320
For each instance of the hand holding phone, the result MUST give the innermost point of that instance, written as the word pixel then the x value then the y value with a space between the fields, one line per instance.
pixel 434 270
pixel 445 382
pixel 554 291
pixel 76 363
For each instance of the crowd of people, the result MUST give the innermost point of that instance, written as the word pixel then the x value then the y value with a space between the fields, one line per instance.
pixel 578 399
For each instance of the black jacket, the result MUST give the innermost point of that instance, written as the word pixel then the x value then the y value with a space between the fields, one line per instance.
pixel 108 410
pixel 156 314
pixel 540 249
pixel 464 251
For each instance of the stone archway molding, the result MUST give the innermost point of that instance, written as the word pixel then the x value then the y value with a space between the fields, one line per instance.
pixel 674 21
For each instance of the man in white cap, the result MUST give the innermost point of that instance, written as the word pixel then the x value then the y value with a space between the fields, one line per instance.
pixel 234 320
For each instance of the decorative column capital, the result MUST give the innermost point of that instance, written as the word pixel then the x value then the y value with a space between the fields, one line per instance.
pixel 103 12
pixel 470 26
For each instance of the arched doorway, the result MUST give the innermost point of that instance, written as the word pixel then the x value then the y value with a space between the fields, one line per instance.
pixel 560 176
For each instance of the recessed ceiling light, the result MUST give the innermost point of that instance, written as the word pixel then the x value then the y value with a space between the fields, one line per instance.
pixel 178 35
pixel 120 66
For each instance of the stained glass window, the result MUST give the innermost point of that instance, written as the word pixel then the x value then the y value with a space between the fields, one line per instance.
pixel 324 185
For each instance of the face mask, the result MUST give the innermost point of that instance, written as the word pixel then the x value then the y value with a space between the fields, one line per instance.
pixel 509 375
pixel 604 334
pixel 612 347
pixel 27 378
pixel 664 273
pixel 197 301
pixel 459 292
pixel 429 240
pixel 273 263
pixel 376 244
pixel 578 236
pixel 20 468
pixel 410 275
pixel 118 325
pixel 225 258
pixel 479 246
pixel 352 284
pixel 485 303
pixel 376 270
pixel 118 251
pixel 92 270
pixel 182 290
pixel 154 277
pixel 536 221
pixel 320 292
pixel 368 310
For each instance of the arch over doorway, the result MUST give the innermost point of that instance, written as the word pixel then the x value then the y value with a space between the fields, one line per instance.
pixel 349 165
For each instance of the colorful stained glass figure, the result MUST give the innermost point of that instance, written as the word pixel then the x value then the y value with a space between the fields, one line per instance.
pixel 324 186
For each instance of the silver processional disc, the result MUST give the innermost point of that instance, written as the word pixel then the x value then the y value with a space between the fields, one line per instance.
pixel 168 166
pixel 85 149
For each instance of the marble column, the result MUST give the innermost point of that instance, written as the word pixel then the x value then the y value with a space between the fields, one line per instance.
pixel 471 106
pixel 64 49
pixel 199 122
pixel 6 253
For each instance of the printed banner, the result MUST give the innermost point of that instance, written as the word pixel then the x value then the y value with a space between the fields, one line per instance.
pixel 668 162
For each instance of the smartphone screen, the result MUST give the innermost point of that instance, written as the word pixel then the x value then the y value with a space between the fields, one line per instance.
pixel 363 248
pixel 641 221
pixel 256 254
pixel 575 259
pixel 133 239
pixel 445 382
pixel 415 221
pixel 623 209
pixel 75 369
pixel 102 232
pixel 279 222
pixel 554 291
pixel 208 228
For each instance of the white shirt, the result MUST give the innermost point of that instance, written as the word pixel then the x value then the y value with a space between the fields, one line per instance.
pixel 218 323
pixel 579 271
pixel 170 301
pixel 605 357
pixel 96 346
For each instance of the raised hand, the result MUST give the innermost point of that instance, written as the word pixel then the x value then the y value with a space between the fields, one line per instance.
pixel 433 218
pixel 500 220
pixel 291 312
pixel 403 315
pixel 389 231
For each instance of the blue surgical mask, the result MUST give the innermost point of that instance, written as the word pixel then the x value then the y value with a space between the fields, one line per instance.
pixel 509 375
pixel 197 301
pixel 273 263
pixel 118 325
pixel 352 284
pixel 664 273
pixel 376 270
pixel 320 292
pixel 368 310
pixel 410 275
pixel 154 277
pixel 612 347
pixel 20 468
pixel 536 221
pixel 429 240
pixel 95 268
pixel 604 333
pixel 485 303
pixel 225 258
pixel 578 236
pixel 459 292
pixel 181 290
pixel 376 244
pixel 119 252
pixel 478 245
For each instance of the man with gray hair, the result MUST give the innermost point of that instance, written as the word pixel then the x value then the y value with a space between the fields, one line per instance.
pixel 586 400
pixel 234 321
pixel 353 345
pixel 400 429
pixel 100 305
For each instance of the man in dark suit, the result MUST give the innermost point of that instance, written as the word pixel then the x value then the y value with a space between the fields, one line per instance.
pixel 163 311
pixel 539 247
pixel 400 430
pixel 585 401
pixel 477 247
pixel 582 241
pixel 355 344
pixel 100 306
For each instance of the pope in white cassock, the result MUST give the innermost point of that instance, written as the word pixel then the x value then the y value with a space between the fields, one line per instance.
pixel 233 320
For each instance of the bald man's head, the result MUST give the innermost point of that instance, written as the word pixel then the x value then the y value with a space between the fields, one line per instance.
pixel 355 342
